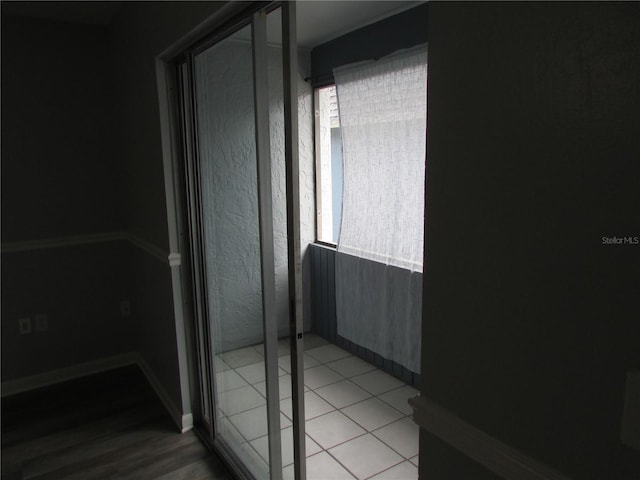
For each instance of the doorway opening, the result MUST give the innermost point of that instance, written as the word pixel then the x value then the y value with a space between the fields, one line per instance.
pixel 269 393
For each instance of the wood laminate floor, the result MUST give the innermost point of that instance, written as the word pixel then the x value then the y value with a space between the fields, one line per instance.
pixel 105 426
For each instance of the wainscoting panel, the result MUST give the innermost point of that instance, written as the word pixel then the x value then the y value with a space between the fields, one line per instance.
pixel 323 312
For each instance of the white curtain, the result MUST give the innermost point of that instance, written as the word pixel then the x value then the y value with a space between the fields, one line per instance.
pixel 382 107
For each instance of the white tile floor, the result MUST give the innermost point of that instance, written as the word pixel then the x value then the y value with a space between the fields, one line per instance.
pixel 358 423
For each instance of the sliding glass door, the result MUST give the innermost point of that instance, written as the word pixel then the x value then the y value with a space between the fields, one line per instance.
pixel 231 239
pixel 240 154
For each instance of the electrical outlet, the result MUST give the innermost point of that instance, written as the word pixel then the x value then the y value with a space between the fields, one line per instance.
pixel 41 321
pixel 25 325
pixel 125 308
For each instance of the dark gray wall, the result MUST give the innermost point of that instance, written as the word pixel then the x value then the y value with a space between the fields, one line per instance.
pixel 530 323
pixel 81 154
pixel 60 177
pixel 141 32
pixel 156 329
pixel 79 288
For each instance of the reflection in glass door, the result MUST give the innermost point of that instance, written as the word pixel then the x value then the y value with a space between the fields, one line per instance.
pixel 237 245
pixel 238 153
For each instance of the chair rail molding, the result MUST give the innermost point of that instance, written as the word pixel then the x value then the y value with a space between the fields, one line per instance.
pixel 498 457
pixel 172 259
pixel 57 242
pixel 148 247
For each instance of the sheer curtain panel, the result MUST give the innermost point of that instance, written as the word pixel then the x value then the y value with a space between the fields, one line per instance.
pixel 382 107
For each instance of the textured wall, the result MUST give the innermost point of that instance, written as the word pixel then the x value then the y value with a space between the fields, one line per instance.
pixel 227 153
pixel 226 125
pixel 307 191
pixel 530 322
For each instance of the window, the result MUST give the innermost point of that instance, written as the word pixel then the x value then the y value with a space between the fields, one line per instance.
pixel 328 165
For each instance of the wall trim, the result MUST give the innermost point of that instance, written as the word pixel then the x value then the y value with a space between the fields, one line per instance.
pixel 56 242
pixel 150 248
pixel 25 384
pixel 172 259
pixel 498 457
pixel 184 422
pixel 175 259
pixel 187 422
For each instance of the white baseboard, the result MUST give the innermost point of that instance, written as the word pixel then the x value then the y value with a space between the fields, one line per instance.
pixel 187 422
pixel 184 422
pixel 20 385
pixel 502 459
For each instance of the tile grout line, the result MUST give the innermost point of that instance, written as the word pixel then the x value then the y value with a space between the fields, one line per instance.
pixel 380 428
pixel 367 431
pixel 386 469
pixel 340 463
pixel 371 395
pixel 404 459
pixel 343 378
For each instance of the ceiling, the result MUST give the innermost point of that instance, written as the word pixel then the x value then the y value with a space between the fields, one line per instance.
pixel 318 21
pixel 324 20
